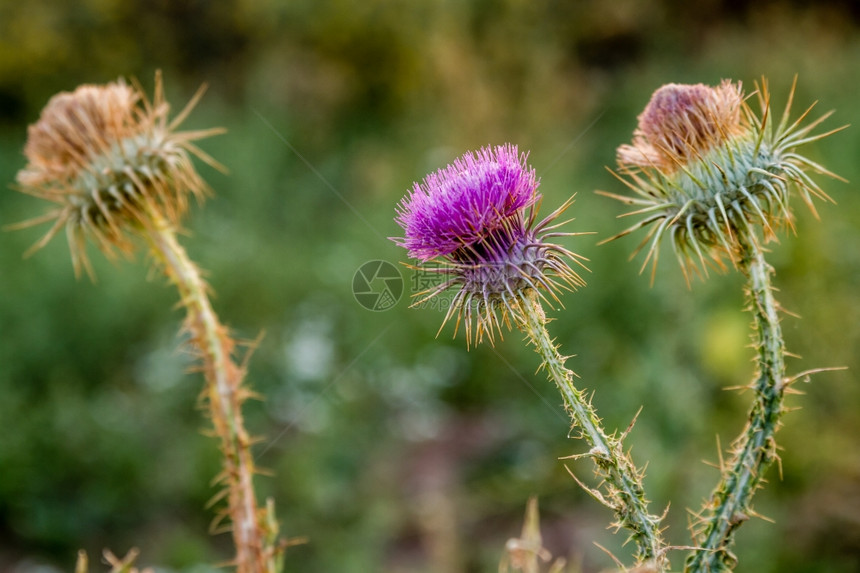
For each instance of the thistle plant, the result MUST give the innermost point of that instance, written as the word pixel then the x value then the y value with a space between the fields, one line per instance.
pixel 118 171
pixel 717 178
pixel 475 224
pixel 526 553
pixel 117 565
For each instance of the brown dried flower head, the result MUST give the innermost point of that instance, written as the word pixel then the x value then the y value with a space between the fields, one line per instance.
pixel 111 162
pixel 684 122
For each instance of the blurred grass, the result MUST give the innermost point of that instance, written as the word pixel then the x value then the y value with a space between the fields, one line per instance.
pixel 391 450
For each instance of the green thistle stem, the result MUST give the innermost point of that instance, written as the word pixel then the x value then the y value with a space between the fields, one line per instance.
pixel 622 481
pixel 255 547
pixel 755 449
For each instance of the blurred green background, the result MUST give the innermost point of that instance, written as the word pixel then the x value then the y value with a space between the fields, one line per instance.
pixel 392 450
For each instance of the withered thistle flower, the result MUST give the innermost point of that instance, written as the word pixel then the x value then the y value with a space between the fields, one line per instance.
pixel 707 171
pixel 109 158
pixel 116 167
pixel 475 223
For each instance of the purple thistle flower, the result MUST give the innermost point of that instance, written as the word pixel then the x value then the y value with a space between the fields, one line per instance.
pixel 459 205
pixel 476 221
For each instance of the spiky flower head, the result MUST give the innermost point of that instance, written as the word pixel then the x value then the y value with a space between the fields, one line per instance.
pixel 109 159
pixel 708 171
pixel 474 223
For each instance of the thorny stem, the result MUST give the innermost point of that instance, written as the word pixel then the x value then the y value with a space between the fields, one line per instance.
pixel 755 449
pixel 224 393
pixel 622 481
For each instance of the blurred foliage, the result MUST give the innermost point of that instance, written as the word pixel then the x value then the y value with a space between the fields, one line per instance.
pixel 391 450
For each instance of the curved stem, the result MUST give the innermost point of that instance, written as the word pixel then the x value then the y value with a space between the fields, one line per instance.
pixel 755 449
pixel 622 489
pixel 224 396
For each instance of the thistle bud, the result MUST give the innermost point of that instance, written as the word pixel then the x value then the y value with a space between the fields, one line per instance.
pixel 708 171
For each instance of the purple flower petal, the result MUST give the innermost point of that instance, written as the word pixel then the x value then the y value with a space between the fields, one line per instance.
pixel 464 202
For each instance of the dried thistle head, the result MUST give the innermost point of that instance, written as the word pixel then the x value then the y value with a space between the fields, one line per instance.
pixel 683 122
pixel 708 171
pixel 475 224
pixel 110 161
